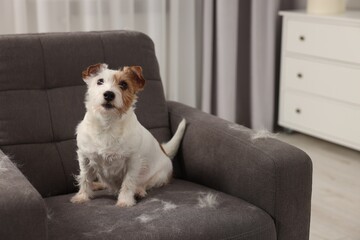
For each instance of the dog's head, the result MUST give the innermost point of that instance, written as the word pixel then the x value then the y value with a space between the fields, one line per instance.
pixel 112 91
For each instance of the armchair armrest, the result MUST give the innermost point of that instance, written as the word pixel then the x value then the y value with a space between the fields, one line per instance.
pixel 22 209
pixel 265 172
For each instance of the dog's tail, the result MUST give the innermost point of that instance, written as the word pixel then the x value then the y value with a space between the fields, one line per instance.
pixel 172 146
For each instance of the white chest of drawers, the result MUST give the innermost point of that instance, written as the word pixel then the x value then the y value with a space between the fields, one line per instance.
pixel 320 76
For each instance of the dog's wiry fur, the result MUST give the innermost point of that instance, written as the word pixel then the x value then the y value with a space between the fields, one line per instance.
pixel 113 146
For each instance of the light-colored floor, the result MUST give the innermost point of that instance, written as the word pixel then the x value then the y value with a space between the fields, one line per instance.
pixel 335 213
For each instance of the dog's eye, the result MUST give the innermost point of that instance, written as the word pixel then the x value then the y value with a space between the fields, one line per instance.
pixel 100 81
pixel 123 85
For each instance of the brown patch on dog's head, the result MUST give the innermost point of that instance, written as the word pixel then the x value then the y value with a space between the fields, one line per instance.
pixel 93 70
pixel 138 77
pixel 134 73
pixel 130 81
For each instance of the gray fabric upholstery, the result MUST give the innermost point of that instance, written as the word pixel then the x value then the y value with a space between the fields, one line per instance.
pixel 42 93
pixel 265 172
pixel 171 212
pixel 265 184
pixel 22 210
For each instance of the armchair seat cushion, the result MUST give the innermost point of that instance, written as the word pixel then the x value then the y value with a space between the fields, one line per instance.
pixel 180 210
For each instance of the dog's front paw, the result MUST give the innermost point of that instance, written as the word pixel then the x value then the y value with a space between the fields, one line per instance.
pixel 80 198
pixel 140 193
pixel 126 203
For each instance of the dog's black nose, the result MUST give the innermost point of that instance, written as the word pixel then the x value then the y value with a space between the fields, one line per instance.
pixel 109 96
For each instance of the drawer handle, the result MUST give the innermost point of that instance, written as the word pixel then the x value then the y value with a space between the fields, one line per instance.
pixel 302 38
pixel 299 75
pixel 298 110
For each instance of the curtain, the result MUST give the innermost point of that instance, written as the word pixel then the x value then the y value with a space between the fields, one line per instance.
pixel 219 56
pixel 241 59
pixel 172 25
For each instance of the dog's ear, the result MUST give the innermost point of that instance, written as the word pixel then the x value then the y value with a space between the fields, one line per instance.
pixel 93 70
pixel 139 78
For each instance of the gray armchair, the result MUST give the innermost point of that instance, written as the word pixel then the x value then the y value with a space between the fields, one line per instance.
pixel 227 186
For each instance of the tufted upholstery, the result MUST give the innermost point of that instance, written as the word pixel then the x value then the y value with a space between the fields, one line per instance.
pixel 41 98
pixel 263 186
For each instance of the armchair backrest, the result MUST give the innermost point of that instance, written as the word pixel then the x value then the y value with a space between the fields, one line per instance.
pixel 42 95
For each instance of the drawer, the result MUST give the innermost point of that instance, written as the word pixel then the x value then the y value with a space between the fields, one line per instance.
pixel 338 42
pixel 336 81
pixel 335 121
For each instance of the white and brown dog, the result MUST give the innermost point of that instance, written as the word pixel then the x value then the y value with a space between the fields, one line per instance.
pixel 113 146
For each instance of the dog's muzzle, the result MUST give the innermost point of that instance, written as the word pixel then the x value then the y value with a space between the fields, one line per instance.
pixel 109 96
